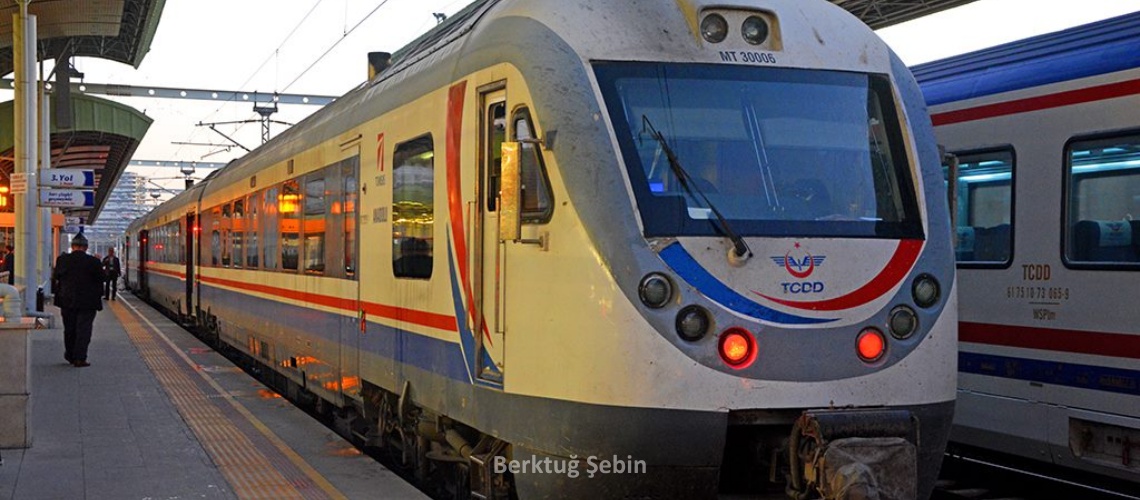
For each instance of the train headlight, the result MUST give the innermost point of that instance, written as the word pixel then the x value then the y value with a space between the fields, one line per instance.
pixel 926 291
pixel 903 322
pixel 871 345
pixel 737 347
pixel 755 30
pixel 714 28
pixel 655 291
pixel 693 323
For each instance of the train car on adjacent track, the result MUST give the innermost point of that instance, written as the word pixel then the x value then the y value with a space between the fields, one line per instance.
pixel 1046 132
pixel 638 248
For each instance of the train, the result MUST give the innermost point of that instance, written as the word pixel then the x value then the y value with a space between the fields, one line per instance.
pixel 633 249
pixel 1046 136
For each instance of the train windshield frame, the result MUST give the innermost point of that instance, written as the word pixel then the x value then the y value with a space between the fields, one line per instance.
pixel 781 152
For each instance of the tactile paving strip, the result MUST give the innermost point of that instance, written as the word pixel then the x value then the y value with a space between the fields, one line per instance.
pixel 249 471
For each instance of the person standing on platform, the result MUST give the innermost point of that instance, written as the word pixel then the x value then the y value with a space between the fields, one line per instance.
pixel 111 271
pixel 80 286
pixel 10 263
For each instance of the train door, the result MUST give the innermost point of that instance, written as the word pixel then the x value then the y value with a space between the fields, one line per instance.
pixel 188 256
pixel 488 253
pixel 351 327
pixel 144 289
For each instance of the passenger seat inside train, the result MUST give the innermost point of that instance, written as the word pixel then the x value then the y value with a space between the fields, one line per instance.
pixel 983 244
pixel 1106 241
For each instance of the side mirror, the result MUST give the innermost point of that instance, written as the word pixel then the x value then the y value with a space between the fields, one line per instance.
pixel 510 217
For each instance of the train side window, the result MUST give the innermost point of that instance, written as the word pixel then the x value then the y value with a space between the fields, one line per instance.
pixel 413 208
pixel 289 210
pixel 349 169
pixel 496 135
pixel 237 235
pixel 270 230
pixel 314 223
pixel 1102 179
pixel 537 204
pixel 984 236
pixel 227 226
pixel 215 236
pixel 252 252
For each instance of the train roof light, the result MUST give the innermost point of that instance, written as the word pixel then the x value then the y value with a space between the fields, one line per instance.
pixel 737 348
pixel 871 345
pixel 755 30
pixel 714 28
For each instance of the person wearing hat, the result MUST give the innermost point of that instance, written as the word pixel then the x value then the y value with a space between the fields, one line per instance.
pixel 79 295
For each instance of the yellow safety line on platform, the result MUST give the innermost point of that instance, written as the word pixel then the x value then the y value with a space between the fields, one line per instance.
pixel 242 464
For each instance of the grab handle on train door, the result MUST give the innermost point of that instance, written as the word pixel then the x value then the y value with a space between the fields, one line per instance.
pixel 950 161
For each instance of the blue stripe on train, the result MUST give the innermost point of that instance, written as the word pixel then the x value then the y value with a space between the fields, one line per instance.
pixel 1097 378
pixel 427 353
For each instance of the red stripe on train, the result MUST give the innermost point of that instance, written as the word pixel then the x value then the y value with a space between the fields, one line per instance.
pixel 421 318
pixel 903 260
pixel 1116 345
pixel 1061 99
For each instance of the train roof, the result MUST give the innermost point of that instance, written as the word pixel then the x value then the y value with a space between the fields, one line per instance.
pixel 1093 49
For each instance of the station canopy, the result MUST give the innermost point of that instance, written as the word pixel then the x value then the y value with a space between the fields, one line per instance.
pixel 99 135
pixel 882 13
pixel 103 137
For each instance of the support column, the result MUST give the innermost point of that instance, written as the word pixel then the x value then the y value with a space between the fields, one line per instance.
pixel 44 229
pixel 24 59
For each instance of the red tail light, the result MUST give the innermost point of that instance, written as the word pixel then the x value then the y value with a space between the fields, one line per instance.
pixel 737 348
pixel 871 345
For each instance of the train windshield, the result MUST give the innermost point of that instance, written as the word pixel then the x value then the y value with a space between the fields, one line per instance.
pixel 778 152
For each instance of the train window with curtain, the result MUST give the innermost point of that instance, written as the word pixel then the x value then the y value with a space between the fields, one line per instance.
pixel 314 223
pixel 215 236
pixel 349 173
pixel 180 241
pixel 413 208
pixel 271 232
pixel 227 227
pixel 237 235
pixel 1102 199
pixel 251 228
pixel 289 216
pixel 536 203
pixel 984 236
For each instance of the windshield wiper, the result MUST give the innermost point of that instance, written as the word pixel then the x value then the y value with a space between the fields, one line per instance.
pixel 739 246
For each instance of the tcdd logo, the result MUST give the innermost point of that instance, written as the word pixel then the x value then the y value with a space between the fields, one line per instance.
pixel 801 268
pixel 803 287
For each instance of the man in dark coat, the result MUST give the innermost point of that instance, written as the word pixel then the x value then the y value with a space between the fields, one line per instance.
pixel 80 289
pixel 10 263
pixel 111 271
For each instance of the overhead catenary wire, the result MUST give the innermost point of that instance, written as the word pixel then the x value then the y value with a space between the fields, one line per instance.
pixel 334 45
pixel 275 54
pixel 327 51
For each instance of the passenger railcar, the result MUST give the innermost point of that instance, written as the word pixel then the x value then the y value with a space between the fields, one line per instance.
pixel 1047 136
pixel 638 248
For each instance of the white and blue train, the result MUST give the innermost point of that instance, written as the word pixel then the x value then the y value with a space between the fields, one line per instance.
pixel 1046 132
pixel 704 242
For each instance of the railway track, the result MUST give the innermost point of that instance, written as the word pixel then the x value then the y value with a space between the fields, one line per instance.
pixel 967 475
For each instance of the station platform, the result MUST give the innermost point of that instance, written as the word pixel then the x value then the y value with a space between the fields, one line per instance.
pixel 160 415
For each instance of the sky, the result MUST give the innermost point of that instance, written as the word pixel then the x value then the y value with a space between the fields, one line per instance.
pixel 277 45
